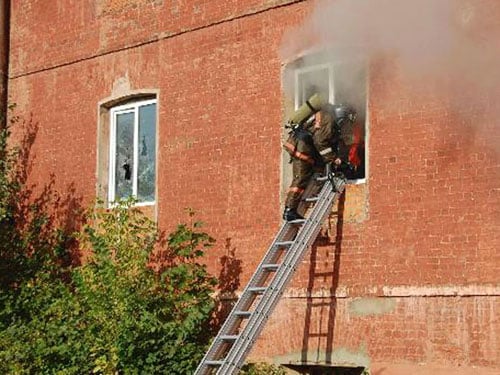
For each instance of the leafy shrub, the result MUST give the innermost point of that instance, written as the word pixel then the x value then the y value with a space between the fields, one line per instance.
pixel 29 240
pixel 114 313
pixel 154 322
pixel 36 305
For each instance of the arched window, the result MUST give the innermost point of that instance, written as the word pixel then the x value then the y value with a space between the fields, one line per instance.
pixel 127 149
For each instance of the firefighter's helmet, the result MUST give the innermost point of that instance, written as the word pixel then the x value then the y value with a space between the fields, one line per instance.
pixel 342 113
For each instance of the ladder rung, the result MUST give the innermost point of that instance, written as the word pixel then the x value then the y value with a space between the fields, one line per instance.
pixel 257 289
pixel 214 363
pixel 228 337
pixel 242 337
pixel 270 266
pixel 243 314
pixel 312 199
pixel 284 243
pixel 297 222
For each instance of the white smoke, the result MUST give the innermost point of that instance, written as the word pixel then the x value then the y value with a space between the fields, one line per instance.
pixel 453 43
pixel 423 34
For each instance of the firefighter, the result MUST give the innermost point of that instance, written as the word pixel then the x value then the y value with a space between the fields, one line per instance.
pixel 311 147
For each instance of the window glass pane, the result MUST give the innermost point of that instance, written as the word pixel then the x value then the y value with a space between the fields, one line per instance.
pixel 314 81
pixel 124 155
pixel 147 153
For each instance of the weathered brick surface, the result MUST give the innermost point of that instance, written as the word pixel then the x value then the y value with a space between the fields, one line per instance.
pixel 458 332
pixel 427 217
pixel 61 31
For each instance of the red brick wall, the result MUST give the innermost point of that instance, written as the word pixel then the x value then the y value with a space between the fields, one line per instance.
pixel 454 332
pixel 57 32
pixel 429 222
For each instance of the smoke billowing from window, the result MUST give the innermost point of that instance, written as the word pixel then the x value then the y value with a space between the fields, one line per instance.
pixel 453 43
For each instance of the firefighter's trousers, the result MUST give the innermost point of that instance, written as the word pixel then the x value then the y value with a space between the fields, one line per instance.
pixel 302 173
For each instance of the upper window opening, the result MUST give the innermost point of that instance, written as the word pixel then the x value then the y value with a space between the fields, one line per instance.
pixel 132 158
pixel 311 80
pixel 338 83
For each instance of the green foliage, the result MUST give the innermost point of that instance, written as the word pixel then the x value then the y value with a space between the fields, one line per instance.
pixel 42 334
pixel 153 321
pixel 28 239
pixel 117 314
pixel 33 254
pixel 262 368
pixel 137 304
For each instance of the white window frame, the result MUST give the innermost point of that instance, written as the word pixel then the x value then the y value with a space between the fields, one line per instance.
pixel 123 109
pixel 311 68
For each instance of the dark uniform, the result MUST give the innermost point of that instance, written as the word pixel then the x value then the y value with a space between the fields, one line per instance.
pixel 310 148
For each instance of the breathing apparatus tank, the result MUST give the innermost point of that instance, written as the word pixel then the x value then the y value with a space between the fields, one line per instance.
pixel 305 111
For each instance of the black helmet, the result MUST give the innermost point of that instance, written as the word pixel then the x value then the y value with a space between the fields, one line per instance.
pixel 342 113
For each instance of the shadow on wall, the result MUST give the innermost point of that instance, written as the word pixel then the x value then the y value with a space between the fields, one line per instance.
pixel 323 306
pixel 229 282
pixel 36 222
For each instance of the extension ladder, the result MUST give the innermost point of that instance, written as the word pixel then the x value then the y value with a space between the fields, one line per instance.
pixel 239 332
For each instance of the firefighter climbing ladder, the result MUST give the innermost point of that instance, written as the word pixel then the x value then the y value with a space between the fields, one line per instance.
pixel 248 316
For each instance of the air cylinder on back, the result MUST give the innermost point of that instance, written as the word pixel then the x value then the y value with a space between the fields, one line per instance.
pixel 311 106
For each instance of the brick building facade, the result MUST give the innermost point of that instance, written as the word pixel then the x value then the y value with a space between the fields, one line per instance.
pixel 406 282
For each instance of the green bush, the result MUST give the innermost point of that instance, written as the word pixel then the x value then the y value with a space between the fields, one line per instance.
pixel 115 313
pixel 33 256
pixel 29 240
pixel 154 322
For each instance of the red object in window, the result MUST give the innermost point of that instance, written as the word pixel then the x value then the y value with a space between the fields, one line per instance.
pixel 356 147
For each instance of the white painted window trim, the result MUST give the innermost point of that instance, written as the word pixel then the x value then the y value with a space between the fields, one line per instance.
pixel 311 68
pixel 121 109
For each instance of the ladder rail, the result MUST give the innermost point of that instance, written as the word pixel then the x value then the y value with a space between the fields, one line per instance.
pixel 227 356
pixel 244 301
pixel 304 240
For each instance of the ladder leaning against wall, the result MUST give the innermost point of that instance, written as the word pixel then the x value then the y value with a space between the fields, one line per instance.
pixel 244 323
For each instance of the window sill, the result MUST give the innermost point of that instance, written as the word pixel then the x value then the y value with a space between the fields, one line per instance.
pixel 140 204
pixel 359 181
pixel 144 204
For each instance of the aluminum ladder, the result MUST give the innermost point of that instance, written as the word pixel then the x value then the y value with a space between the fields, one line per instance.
pixel 244 323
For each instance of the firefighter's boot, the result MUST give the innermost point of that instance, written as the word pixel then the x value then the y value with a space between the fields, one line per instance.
pixel 291 214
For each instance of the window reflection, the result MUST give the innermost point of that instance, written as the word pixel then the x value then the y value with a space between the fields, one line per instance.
pixel 147 147
pixel 133 152
pixel 124 163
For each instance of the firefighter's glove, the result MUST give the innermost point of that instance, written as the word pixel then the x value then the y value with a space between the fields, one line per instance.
pixel 330 171
pixel 292 126
pixel 330 176
pixel 336 177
